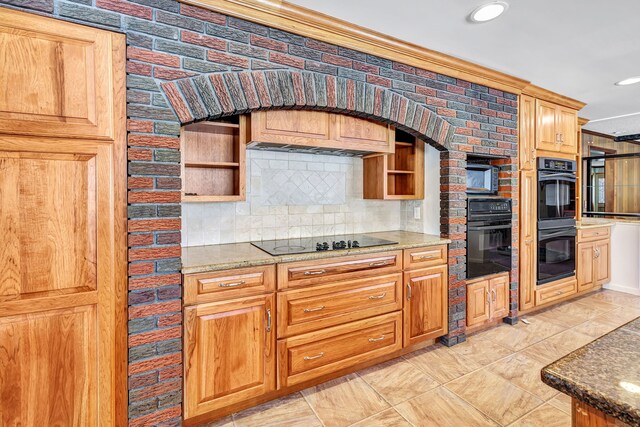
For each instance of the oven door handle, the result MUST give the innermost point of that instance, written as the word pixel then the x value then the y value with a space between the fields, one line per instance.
pixel 489 227
pixel 543 236
pixel 554 177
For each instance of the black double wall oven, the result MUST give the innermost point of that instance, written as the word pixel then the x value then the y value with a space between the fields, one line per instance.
pixel 488 236
pixel 556 219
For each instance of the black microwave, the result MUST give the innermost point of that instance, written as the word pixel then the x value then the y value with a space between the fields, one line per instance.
pixel 482 179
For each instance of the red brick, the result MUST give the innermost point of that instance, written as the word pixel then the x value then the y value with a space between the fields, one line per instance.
pixel 154 390
pixel 154 418
pixel 206 15
pixel 138 68
pixel 170 320
pixel 280 58
pixel 168 238
pixel 424 73
pixel 224 58
pixel 425 91
pixel 473 125
pixel 337 60
pixel 139 154
pixel 446 112
pixel 324 47
pixel 154 253
pixel 351 94
pixel 136 312
pixel 153 141
pixel 140 239
pixel 143 380
pixel 154 336
pixel 139 182
pixel 463 131
pixel 140 268
pixel 153 57
pixel 331 91
pixel 155 281
pixel 178 104
pixel 463 83
pixel 479 103
pixel 170 74
pixel 367 68
pixel 201 40
pixel 436 101
pixel 268 43
pixel 455 89
pixel 125 7
pixel 487 112
pixel 139 125
pixel 169 183
pixel 154 225
pixel 464 147
pixel 154 197
pixel 377 80
pixel 157 363
pixel 501 129
pixel 219 86
pixel 168 373
pixel 404 68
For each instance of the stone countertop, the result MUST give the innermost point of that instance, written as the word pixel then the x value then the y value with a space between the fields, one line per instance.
pixel 594 223
pixel 201 259
pixel 604 374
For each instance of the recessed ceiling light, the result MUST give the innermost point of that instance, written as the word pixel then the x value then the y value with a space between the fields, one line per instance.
pixel 488 11
pixel 629 81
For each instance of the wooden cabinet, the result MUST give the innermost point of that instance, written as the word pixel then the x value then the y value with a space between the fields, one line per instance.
pixel 528 243
pixel 593 259
pixel 229 353
pixel 426 307
pixel 527 123
pixel 425 257
pixel 487 299
pixel 328 132
pixel 229 284
pixel 214 163
pixel 556 128
pixel 584 415
pixel 556 291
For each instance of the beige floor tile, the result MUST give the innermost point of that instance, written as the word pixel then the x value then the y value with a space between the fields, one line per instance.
pixel 291 410
pixel 441 363
pixel 572 313
pixel 388 418
pixel 344 401
pixel 621 315
pixel 545 415
pixel 613 297
pixel 440 407
pixel 494 396
pixel 524 372
pixel 521 335
pixel 222 422
pixel 398 380
pixel 557 346
pixel 481 351
pixel 597 327
pixel 562 402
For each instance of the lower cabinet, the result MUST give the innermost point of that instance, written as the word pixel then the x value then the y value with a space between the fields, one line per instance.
pixel 487 299
pixel 229 353
pixel 426 306
pixel 593 264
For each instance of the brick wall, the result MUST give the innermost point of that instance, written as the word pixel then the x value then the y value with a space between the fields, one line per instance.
pixel 168 41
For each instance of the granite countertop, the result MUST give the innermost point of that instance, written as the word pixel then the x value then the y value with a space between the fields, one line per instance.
pixel 604 374
pixel 201 259
pixel 594 223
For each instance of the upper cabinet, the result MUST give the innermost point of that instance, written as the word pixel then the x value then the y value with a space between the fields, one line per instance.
pixel 303 129
pixel 556 128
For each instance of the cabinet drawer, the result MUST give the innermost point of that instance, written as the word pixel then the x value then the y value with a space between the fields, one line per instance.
pixel 425 257
pixel 556 291
pixel 227 284
pixel 590 234
pixel 304 357
pixel 308 309
pixel 304 273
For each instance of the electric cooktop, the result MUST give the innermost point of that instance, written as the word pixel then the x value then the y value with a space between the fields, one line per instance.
pixel 318 244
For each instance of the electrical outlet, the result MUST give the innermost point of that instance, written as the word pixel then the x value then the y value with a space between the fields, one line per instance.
pixel 416 213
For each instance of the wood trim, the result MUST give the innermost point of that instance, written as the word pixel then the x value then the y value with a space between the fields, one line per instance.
pixel 556 98
pixel 582 121
pixel 306 22
pixel 594 133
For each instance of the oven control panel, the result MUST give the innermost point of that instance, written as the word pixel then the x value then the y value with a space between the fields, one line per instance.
pixel 557 165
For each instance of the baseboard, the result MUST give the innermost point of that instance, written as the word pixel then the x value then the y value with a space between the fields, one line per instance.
pixel 625 289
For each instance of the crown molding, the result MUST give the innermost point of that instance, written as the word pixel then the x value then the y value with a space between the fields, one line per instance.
pixel 582 121
pixel 299 20
pixel 556 98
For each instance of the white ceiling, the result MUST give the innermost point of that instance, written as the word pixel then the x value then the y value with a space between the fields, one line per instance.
pixel 578 48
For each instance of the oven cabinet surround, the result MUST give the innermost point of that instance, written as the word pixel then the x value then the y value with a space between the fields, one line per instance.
pixel 593 258
pixel 252 334
pixel 556 128
pixel 487 300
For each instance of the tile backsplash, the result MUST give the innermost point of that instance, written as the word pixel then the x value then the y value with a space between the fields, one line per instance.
pixel 291 195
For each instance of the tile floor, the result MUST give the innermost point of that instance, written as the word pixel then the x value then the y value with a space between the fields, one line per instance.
pixel 493 379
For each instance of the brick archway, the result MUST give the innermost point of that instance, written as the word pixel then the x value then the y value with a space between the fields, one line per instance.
pixel 207 97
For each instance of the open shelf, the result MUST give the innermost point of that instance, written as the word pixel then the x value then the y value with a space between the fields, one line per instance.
pixel 214 161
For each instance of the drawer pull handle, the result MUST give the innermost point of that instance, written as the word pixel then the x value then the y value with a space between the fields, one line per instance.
pixel 268 320
pixel 311 310
pixel 314 273
pixel 558 292
pixel 376 339
pixel 378 296
pixel 317 356
pixel 494 293
pixel 408 291
pixel 377 263
pixel 426 257
pixel 232 285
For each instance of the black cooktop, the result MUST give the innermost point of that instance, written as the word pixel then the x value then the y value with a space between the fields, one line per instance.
pixel 319 244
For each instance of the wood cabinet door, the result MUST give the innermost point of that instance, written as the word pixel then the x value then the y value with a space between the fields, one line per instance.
pixel 229 349
pixel 63 221
pixel 585 266
pixel 363 134
pixel 527 285
pixel 426 307
pixel 547 128
pixel 527 148
pixel 478 298
pixel 602 262
pixel 499 290
pixel 56 78
pixel 297 127
pixel 568 129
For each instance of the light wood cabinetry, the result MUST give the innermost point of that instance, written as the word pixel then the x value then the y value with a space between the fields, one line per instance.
pixel 583 415
pixel 214 165
pixel 399 175
pixel 527 130
pixel 426 308
pixel 593 264
pixel 556 291
pixel 487 299
pixel 556 128
pixel 304 129
pixel 229 284
pixel 229 353
pixel 528 242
